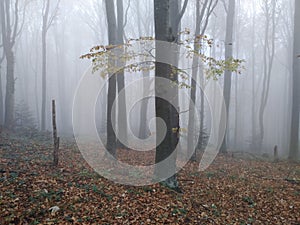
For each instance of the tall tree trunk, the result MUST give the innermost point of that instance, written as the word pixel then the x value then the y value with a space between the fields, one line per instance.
pixel 253 144
pixel 237 38
pixel 10 89
pixel 164 109
pixel 228 55
pixel 202 17
pixel 294 139
pixel 144 131
pixel 191 121
pixel 9 34
pixel 44 65
pixel 1 91
pixel 111 95
pixel 47 22
pixel 44 80
pixel 1 100
pixel 269 52
pixel 122 111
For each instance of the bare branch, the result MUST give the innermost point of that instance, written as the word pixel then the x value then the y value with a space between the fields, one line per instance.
pixel 182 12
pixel 16 20
pixel 126 14
pixel 210 10
pixel 54 14
pixel 225 6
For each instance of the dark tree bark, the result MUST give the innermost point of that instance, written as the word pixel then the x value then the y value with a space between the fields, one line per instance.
pixel 164 109
pixel 111 96
pixel 55 138
pixel 294 139
pixel 167 16
pixel 122 113
pixel 228 55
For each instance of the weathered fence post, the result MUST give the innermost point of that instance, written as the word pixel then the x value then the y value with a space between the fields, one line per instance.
pixel 55 138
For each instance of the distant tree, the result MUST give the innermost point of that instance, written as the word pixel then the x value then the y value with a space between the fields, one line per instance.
pixel 11 26
pixel 294 139
pixel 253 83
pixel 145 28
pixel 269 8
pixel 1 91
pixel 61 45
pixel 48 19
pixel 228 55
pixel 203 13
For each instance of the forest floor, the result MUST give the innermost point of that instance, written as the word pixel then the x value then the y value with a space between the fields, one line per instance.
pixel 231 191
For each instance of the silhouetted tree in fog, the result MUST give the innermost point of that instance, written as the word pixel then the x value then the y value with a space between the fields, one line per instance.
pixel 268 59
pixel 203 14
pixel 1 91
pixel 294 141
pixel 48 19
pixel 228 55
pixel 11 26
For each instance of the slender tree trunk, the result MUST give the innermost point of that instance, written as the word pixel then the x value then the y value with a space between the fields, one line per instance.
pixel 253 61
pixel 144 130
pixel 202 16
pixel 8 38
pixel 237 38
pixel 44 80
pixel 47 22
pixel 228 55
pixel 1 101
pixel 269 52
pixel 111 95
pixel 122 111
pixel 44 65
pixel 60 47
pixel 10 90
pixel 294 139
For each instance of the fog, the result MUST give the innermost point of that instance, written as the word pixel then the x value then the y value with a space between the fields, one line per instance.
pixel 262 38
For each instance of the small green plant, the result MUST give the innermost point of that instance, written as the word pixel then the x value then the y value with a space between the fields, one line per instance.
pixel 100 192
pixel 249 200
pixel 215 210
pixel 181 211
pixel 210 175
pixel 147 189
pixel 270 190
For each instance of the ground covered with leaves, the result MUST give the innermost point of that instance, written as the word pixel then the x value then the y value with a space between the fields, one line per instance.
pixel 231 191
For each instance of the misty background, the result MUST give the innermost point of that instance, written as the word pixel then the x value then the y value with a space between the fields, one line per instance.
pixel 74 26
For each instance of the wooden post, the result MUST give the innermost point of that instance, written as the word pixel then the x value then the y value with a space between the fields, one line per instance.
pixel 55 138
pixel 276 159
